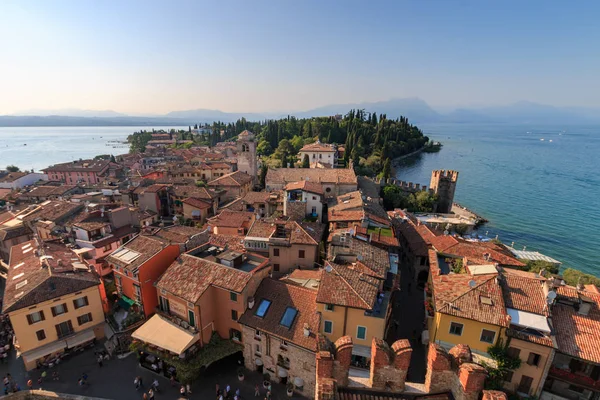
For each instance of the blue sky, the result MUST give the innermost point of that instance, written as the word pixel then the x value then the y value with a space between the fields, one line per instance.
pixel 159 56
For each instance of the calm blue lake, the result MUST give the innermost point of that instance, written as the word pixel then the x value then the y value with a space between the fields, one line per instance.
pixel 543 194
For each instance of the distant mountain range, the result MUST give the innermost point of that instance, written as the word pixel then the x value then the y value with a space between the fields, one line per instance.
pixel 417 111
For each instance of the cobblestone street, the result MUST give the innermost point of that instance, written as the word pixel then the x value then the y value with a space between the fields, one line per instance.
pixel 114 380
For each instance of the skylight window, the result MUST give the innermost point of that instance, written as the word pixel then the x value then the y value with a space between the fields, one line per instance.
pixel 263 307
pixel 288 317
pixel 486 300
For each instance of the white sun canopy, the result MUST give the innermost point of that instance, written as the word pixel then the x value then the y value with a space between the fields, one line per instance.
pixel 528 320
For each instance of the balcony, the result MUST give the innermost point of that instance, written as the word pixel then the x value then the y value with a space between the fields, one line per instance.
pixel 571 377
pixel 176 320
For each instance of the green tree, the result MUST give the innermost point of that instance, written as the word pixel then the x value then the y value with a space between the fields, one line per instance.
pixel 387 169
pixel 264 148
pixel 306 161
pixel 573 277
pixel 263 175
pixel 504 364
pixel 538 265
pixel 12 168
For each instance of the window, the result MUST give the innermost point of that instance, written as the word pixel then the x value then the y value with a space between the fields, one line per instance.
pixel 257 334
pixel 35 317
pixel 456 328
pixel 314 197
pixel 64 329
pixel 257 348
pixel 300 253
pixel 275 252
pixel 288 317
pixel 80 302
pixel 59 309
pixel 361 332
pixel 328 307
pixel 263 307
pixel 276 267
pixel 513 352
pixel 328 190
pixel 534 359
pixel 84 319
pixel 328 327
pixel 508 376
pixel 234 334
pixel 138 292
pixel 525 384
pixel 234 315
pixel 233 296
pixel 192 318
pixel 164 304
pixel 487 336
pixel 107 247
pixel 41 335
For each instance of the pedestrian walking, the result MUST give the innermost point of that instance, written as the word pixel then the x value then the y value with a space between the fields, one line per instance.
pixel 150 394
pixel 237 392
pixel 145 396
pixel 136 382
pixel 30 384
pixel 84 376
pixel 256 391
pixel 217 389
pixel 182 391
pixel 141 381
pixel 99 359
pixel 188 388
pixel 227 390
pixel 55 376
pixel 173 380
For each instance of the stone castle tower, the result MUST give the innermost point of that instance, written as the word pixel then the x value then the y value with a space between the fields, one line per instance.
pixel 443 183
pixel 247 161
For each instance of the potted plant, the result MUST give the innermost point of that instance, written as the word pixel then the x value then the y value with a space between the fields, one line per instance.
pixel 240 373
pixel 266 380
pixel 289 389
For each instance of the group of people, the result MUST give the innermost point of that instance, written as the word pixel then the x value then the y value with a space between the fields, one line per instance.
pixel 227 393
pixel 6 337
pixel 10 385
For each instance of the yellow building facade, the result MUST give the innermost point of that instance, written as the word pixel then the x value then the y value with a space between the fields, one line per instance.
pixel 450 330
pixel 352 322
pixel 55 326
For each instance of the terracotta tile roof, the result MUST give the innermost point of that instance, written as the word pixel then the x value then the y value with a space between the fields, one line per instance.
pixel 245 133
pixel 468 302
pixel 283 296
pixel 178 234
pixel 256 197
pixel 375 260
pixel 237 178
pixel 306 186
pixel 348 287
pixel 190 276
pixel 348 201
pixel 146 246
pixel 296 232
pixel 319 175
pixel 227 241
pixel 577 335
pixel 306 274
pixel 197 203
pixel 529 337
pixel 78 166
pixel 154 188
pixel 195 191
pixel 236 204
pixel 13 176
pixel 4 193
pixel 319 147
pixel 232 219
pixel 345 216
pixel 28 283
pixel 45 191
pixel 474 251
pixel 524 294
pixel 55 211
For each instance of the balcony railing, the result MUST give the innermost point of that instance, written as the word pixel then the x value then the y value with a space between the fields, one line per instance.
pixel 577 379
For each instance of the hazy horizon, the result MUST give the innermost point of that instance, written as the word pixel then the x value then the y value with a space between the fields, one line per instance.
pixel 153 57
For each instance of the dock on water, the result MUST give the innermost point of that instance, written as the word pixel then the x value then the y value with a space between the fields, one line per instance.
pixel 465 212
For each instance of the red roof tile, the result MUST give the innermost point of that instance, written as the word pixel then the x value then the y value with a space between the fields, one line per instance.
pixel 306 186
pixel 346 286
pixel 283 296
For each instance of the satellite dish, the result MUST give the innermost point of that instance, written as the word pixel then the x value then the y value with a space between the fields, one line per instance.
pixel 472 284
pixel 551 296
pixel 328 268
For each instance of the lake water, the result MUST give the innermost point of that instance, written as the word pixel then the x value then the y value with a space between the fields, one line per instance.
pixel 39 147
pixel 541 194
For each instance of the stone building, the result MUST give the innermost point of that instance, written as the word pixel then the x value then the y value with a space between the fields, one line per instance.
pixel 279 332
pixel 247 161
pixel 450 375
pixel 443 183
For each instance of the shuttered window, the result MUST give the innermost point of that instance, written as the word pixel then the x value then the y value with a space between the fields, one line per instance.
pixel 80 302
pixel 59 309
pixel 35 317
pixel 84 319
